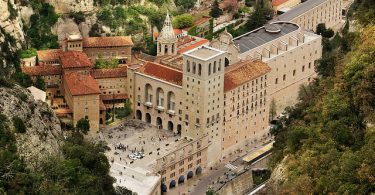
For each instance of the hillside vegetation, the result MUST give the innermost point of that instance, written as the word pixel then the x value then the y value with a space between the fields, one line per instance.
pixel 327 145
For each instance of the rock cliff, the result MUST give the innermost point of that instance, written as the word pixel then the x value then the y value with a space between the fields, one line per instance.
pixel 43 136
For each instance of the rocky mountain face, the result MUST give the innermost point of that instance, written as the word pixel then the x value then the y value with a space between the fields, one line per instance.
pixel 67 6
pixel 43 136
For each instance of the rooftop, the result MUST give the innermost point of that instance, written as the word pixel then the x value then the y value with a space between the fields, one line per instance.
pixel 204 53
pixel 264 35
pixel 278 2
pixel 109 73
pixel 80 84
pixel 162 72
pixel 242 72
pixel 298 10
pixel 138 180
pixel 190 43
pixel 74 59
pixel 42 70
pixel 118 41
pixel 49 54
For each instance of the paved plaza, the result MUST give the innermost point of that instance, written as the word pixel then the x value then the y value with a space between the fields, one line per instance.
pixel 134 136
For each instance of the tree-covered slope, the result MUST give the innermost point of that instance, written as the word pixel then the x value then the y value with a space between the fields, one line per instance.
pixel 327 145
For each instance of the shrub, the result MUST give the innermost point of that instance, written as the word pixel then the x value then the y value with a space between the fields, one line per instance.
pixel 28 53
pixel 18 124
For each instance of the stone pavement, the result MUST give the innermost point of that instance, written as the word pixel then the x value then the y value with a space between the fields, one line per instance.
pixel 134 136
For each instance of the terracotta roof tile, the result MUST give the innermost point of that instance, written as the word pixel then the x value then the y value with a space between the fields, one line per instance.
pixel 74 59
pixel 176 32
pixel 278 2
pixel 80 84
pixel 162 72
pixel 49 54
pixel 184 49
pixel 107 41
pixel 43 70
pixel 109 73
pixel 242 72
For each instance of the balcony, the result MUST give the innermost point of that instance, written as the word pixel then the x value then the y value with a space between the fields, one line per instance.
pixel 160 108
pixel 148 104
pixel 171 112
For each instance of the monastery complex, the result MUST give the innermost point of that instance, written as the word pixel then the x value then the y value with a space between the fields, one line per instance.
pixel 219 95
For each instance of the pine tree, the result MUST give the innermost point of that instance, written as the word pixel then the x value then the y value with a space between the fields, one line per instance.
pixel 215 10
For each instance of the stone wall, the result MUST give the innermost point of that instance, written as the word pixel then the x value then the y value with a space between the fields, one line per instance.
pixel 238 185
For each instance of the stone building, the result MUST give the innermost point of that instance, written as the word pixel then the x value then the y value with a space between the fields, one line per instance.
pixel 76 90
pixel 290 51
pixel 313 12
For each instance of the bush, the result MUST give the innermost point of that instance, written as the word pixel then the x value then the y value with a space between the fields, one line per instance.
pixel 18 124
pixel 78 17
pixel 183 21
pixel 28 53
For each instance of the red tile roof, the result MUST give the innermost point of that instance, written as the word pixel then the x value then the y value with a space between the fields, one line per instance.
pixel 80 84
pixel 49 54
pixel 109 73
pixel 118 41
pixel 278 2
pixel 243 72
pixel 176 32
pixel 121 96
pixel 74 59
pixel 42 70
pixel 184 49
pixel 162 72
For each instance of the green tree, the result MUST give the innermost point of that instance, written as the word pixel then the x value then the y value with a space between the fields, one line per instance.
pixel 185 4
pixel 215 10
pixel 40 84
pixel 18 124
pixel 83 126
pixel 262 13
pixel 183 21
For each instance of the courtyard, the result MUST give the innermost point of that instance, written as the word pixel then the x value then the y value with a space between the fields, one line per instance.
pixel 134 136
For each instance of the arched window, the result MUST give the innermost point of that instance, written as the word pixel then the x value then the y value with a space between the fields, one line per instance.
pixel 199 69
pixel 194 68
pixel 214 70
pixel 171 101
pixel 148 93
pixel 160 97
pixel 187 66
pixel 209 69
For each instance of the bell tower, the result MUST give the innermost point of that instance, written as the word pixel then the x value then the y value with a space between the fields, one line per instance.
pixel 167 41
pixel 203 89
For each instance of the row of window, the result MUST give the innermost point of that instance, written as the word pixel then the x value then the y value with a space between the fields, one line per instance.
pixel 197 69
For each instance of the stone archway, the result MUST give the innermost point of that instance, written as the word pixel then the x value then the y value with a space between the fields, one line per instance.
pixel 159 123
pixel 226 62
pixel 163 187
pixel 172 184
pixel 181 179
pixel 179 129
pixel 138 115
pixel 148 118
pixel 170 126
pixel 198 170
pixel 190 175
